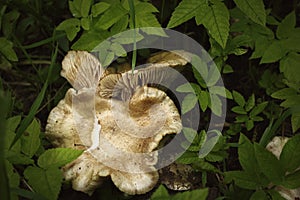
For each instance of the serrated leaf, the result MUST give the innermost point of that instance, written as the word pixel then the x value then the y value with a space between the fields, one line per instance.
pixel 241 118
pixel 215 19
pixel 259 195
pixel 127 37
pixel 189 134
pixel 99 8
pixel 291 181
pixel 269 164
pixel 258 109
pixel 238 110
pixel 219 90
pixel 295 120
pixel 284 93
pixel 199 194
pixel 45 182
pixel 286 26
pixel 246 155
pixel 249 124
pixel 290 155
pixel 203 100
pixel 70 26
pixel 90 40
pixel 211 140
pixel 85 23
pixel 290 67
pixel 188 157
pixel 57 157
pixel 188 103
pixel 6 49
pixel 161 193
pixel 113 14
pixel 186 10
pixel 186 88
pixel 242 179
pixel 250 103
pixel 254 9
pixel 274 52
pixel 261 45
pixel 30 140
pixel 118 49
pixel 120 25
pixel 238 98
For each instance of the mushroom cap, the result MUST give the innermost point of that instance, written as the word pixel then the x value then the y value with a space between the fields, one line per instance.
pixel 119 135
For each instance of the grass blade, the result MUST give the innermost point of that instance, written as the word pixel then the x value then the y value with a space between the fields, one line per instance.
pixel 4 189
pixel 35 106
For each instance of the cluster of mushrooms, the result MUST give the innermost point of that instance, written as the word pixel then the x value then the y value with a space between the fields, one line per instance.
pixel 116 118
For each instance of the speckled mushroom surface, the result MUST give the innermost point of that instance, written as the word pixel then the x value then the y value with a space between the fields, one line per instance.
pixel 116 119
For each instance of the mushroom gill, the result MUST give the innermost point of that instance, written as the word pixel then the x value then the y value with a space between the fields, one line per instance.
pixel 119 135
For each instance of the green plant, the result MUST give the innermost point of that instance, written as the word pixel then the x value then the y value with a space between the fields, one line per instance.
pixel 254 45
pixel 262 171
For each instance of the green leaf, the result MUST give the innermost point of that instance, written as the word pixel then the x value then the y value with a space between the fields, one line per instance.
pixel 186 10
pixel 246 155
pixel 18 158
pixel 275 195
pixel 219 90
pixel 187 88
pixel 85 23
pixel 188 157
pixel 211 140
pixel 290 155
pixel 80 8
pixel 188 103
pixel 249 124
pixel 290 67
pixel 261 45
pixel 286 26
pixel 291 181
pixel 238 98
pixel 295 119
pixel 36 104
pixel 120 25
pixel 254 9
pixel 242 179
pixel 259 195
pixel 12 123
pixel 241 118
pixel 58 157
pixel 70 26
pixel 215 19
pixel 199 194
pixel 160 193
pixel 118 49
pixel 284 93
pixel 258 109
pixel 9 22
pixel 250 103
pixel 215 104
pixel 269 164
pixel 45 182
pixel 6 49
pixel 127 37
pixel 99 8
pixel 238 110
pixel 189 133
pixel 113 14
pixel 274 52
pixel 203 99
pixel 90 40
pixel 13 177
pixel 30 139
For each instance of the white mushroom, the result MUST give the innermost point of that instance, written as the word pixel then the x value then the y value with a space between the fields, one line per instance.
pixel 119 135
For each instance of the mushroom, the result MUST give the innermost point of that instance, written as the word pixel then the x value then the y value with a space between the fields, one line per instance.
pixel 117 119
pixel 275 147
